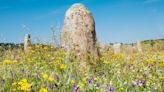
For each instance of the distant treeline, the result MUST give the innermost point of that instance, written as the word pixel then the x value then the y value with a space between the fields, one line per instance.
pixel 152 41
pixel 144 42
pixel 6 46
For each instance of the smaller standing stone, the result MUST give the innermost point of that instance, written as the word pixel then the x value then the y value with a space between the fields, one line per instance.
pixel 139 46
pixel 117 48
pixel 129 48
pixel 27 42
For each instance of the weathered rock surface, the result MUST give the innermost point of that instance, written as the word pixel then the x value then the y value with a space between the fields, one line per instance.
pixel 139 48
pixel 27 42
pixel 117 47
pixel 78 31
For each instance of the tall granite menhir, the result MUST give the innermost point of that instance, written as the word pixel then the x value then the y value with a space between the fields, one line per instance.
pixel 78 31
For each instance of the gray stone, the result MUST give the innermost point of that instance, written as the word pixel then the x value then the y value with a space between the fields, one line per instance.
pixel 78 31
pixel 117 48
pixel 27 42
pixel 139 48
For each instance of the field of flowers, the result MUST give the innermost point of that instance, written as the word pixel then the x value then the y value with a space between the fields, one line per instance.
pixel 49 69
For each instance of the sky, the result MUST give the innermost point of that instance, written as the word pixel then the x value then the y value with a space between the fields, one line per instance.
pixel 116 20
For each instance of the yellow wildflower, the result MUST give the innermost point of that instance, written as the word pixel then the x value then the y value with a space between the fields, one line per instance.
pixel 72 81
pixel 52 47
pixel 86 74
pixel 6 61
pixel 43 90
pixel 22 81
pixel 121 88
pixel 25 87
pixel 84 79
pixel 62 66
pixel 51 79
pixel 81 85
pixel 28 59
pixel 15 61
pixel 45 76
pixel 95 79
pixel 48 55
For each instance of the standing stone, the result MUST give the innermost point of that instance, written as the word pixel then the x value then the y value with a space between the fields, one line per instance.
pixel 117 48
pixel 78 31
pixel 102 47
pixel 129 48
pixel 139 46
pixel 27 42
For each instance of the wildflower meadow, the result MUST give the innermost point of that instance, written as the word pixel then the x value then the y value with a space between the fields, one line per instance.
pixel 95 46
pixel 54 69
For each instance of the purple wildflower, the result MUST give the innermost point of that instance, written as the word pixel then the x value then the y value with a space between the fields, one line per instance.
pixel 76 88
pixel 141 82
pixel 111 88
pixel 90 80
pixel 51 87
pixel 57 78
pixel 37 76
